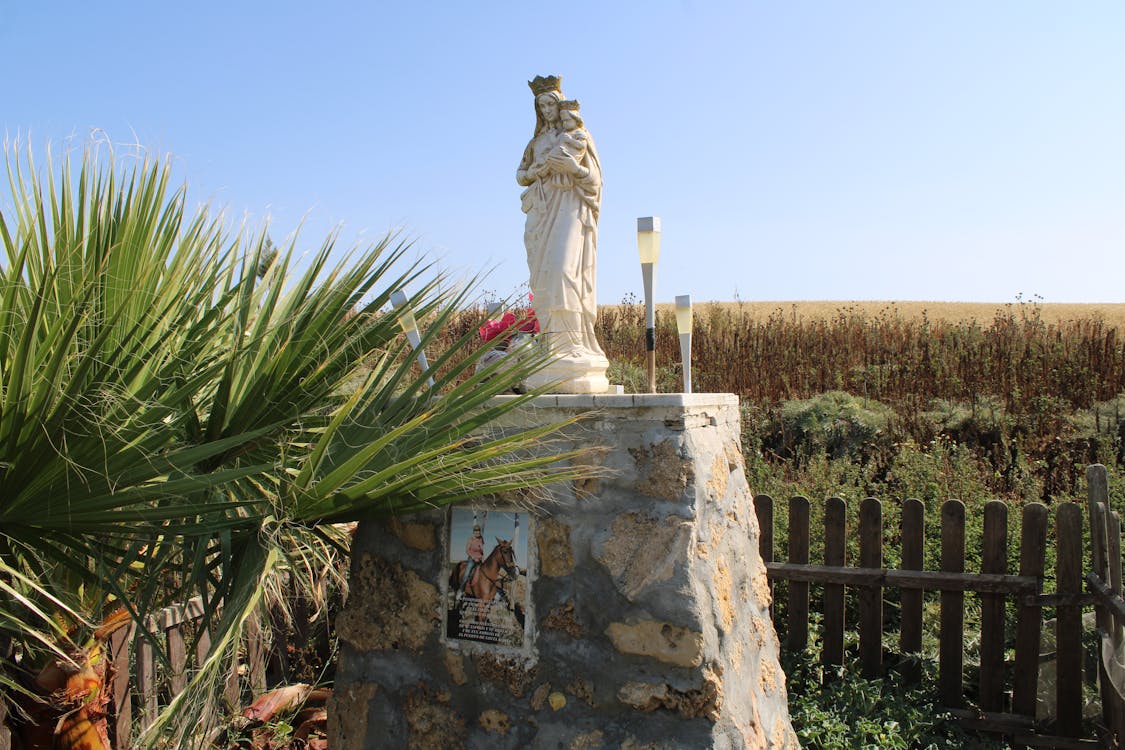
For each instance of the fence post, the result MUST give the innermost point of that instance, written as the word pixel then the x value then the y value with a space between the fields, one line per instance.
pixel 1097 505
pixel 1068 620
pixel 1102 617
pixel 194 612
pixel 232 685
pixel 146 679
pixel 1114 535
pixel 952 638
pixel 1029 618
pixel 994 559
pixel 763 509
pixel 797 637
pixel 277 659
pixel 871 597
pixel 835 533
pixel 119 645
pixel 256 654
pixel 913 547
pixel 177 654
pixel 1114 562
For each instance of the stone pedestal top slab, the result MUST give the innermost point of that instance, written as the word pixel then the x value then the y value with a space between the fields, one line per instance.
pixel 629 400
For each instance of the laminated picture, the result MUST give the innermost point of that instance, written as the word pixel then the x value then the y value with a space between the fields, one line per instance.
pixel 488 592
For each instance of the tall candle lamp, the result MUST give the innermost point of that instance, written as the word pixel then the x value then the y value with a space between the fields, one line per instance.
pixel 683 326
pixel 648 247
pixel 409 326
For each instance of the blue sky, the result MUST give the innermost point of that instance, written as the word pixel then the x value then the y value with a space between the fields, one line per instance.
pixel 794 150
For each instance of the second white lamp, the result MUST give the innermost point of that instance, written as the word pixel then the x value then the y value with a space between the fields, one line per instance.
pixel 648 247
pixel 683 326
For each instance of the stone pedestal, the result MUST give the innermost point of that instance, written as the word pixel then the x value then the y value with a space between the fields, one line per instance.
pixel 647 621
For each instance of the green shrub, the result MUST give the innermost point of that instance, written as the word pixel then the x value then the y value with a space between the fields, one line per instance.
pixel 835 423
pixel 834 709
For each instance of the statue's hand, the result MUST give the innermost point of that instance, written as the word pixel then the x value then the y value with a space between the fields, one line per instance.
pixel 565 164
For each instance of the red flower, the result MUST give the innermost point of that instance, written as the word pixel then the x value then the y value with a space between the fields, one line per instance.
pixel 493 328
pixel 529 323
pixel 509 325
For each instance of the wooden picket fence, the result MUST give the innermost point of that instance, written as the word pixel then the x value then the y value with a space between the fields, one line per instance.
pixel 142 683
pixel 1012 713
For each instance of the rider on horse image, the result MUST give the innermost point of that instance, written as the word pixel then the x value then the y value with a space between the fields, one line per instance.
pixel 474 555
pixel 488 591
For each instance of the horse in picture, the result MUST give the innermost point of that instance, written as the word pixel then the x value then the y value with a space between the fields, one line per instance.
pixel 485 581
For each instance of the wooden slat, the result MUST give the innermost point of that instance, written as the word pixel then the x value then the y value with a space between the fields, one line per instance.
pixel 256 648
pixel 871 598
pixel 177 659
pixel 994 559
pixel 146 679
pixel 1020 728
pixel 993 721
pixel 1070 599
pixel 202 645
pixel 277 658
pixel 797 636
pixel 211 714
pixel 1102 593
pixel 1097 491
pixel 166 618
pixel 119 645
pixel 1029 622
pixel 763 509
pixel 232 687
pixel 930 580
pixel 835 534
pixel 913 546
pixel 1055 743
pixel 952 637
pixel 176 614
pixel 1103 617
pixel 300 617
pixel 1097 505
pixel 194 609
pixel 1113 534
pixel 1068 639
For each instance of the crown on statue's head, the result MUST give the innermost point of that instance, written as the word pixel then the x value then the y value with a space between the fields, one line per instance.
pixel 571 104
pixel 541 85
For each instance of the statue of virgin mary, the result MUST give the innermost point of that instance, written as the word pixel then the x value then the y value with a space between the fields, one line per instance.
pixel 563 180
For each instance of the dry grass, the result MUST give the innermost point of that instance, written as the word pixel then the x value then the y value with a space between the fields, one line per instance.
pixel 1030 355
pixel 1037 360
pixel 1112 314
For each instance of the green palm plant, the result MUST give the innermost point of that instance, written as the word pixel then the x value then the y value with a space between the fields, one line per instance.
pixel 184 412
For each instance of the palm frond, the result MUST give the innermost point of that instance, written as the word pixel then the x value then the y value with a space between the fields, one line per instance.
pixel 174 423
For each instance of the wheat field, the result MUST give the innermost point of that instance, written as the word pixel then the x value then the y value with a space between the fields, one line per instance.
pixel 1110 313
